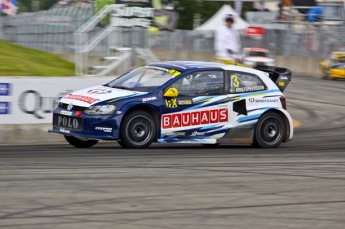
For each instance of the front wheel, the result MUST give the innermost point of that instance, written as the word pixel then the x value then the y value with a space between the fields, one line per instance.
pixel 137 130
pixel 324 74
pixel 270 131
pixel 80 143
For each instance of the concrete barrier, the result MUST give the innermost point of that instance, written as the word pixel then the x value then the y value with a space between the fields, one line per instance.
pixel 26 134
pixel 297 64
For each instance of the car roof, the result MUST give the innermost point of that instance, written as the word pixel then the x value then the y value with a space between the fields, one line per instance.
pixel 200 65
pixel 257 49
pixel 339 54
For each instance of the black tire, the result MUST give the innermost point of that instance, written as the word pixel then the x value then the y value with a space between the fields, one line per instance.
pixel 269 131
pixel 325 74
pixel 80 143
pixel 211 145
pixel 121 144
pixel 137 130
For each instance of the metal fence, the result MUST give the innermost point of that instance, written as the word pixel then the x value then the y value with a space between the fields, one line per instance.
pixel 304 41
pixel 53 31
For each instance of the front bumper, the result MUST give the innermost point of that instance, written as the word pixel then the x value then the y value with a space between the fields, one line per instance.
pixel 98 127
pixel 337 73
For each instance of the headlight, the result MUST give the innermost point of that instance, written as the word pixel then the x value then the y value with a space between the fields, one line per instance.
pixel 101 110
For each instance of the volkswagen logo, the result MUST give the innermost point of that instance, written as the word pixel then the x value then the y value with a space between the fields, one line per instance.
pixel 70 106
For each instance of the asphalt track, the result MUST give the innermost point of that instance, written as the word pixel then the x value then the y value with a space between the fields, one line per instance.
pixel 298 185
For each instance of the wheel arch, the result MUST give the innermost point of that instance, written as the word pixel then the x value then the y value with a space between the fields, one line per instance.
pixel 286 121
pixel 152 110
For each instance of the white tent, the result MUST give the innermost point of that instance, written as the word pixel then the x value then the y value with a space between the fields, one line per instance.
pixel 219 18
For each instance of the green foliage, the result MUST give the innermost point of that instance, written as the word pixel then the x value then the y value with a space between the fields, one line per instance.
pixel 17 60
pixel 26 5
pixel 99 4
pixel 205 9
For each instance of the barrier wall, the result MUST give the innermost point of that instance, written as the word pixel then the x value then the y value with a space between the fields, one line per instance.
pixel 26 106
pixel 297 64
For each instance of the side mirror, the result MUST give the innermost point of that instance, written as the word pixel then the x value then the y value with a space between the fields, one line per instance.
pixel 171 92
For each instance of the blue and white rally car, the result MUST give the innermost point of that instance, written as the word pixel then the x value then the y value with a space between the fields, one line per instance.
pixel 180 102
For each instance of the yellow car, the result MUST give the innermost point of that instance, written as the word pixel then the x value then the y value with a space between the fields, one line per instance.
pixel 334 66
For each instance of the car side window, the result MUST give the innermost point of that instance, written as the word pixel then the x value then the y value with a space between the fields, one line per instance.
pixel 241 82
pixel 201 83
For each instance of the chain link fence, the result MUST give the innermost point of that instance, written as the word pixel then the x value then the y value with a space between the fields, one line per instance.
pixel 306 41
pixel 53 31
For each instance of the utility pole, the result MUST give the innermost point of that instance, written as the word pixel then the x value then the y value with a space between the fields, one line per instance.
pixel 197 16
pixel 35 5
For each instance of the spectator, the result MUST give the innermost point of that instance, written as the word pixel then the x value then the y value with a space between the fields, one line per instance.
pixel 284 7
pixel 227 40
pixel 261 8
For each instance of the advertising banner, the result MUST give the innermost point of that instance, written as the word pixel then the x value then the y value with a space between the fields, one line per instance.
pixel 32 101
pixel 165 13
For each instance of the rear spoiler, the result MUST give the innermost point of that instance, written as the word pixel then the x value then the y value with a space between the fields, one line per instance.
pixel 280 76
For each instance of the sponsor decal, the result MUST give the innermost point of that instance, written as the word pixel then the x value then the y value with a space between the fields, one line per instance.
pixel 67 122
pixel 4 89
pixel 171 103
pixel 172 72
pixel 63 130
pixel 246 89
pixel 283 78
pixel 175 133
pixel 4 108
pixel 82 98
pixel 194 118
pixel 69 113
pixel 70 106
pixel 105 129
pixel 149 99
pixel 281 84
pixel 185 102
pixel 39 103
pixel 99 91
pixel 252 100
pixel 196 133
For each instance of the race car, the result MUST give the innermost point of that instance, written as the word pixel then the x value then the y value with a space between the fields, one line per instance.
pixel 334 66
pixel 180 102
pixel 257 56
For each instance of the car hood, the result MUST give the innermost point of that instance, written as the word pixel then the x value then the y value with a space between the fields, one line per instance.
pixel 89 96
pixel 259 59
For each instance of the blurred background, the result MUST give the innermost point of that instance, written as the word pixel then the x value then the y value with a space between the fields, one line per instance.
pixel 99 39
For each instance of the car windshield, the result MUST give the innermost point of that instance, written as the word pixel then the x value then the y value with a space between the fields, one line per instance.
pixel 144 79
pixel 259 53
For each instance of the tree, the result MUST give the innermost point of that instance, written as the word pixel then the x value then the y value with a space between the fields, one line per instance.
pixel 205 9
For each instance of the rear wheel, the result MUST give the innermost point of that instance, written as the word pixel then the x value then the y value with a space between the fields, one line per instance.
pixel 121 144
pixel 270 131
pixel 80 143
pixel 137 130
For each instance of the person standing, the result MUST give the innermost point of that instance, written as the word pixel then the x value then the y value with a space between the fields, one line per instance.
pixel 227 40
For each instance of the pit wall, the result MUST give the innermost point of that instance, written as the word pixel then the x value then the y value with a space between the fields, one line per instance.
pixel 27 103
pixel 297 64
